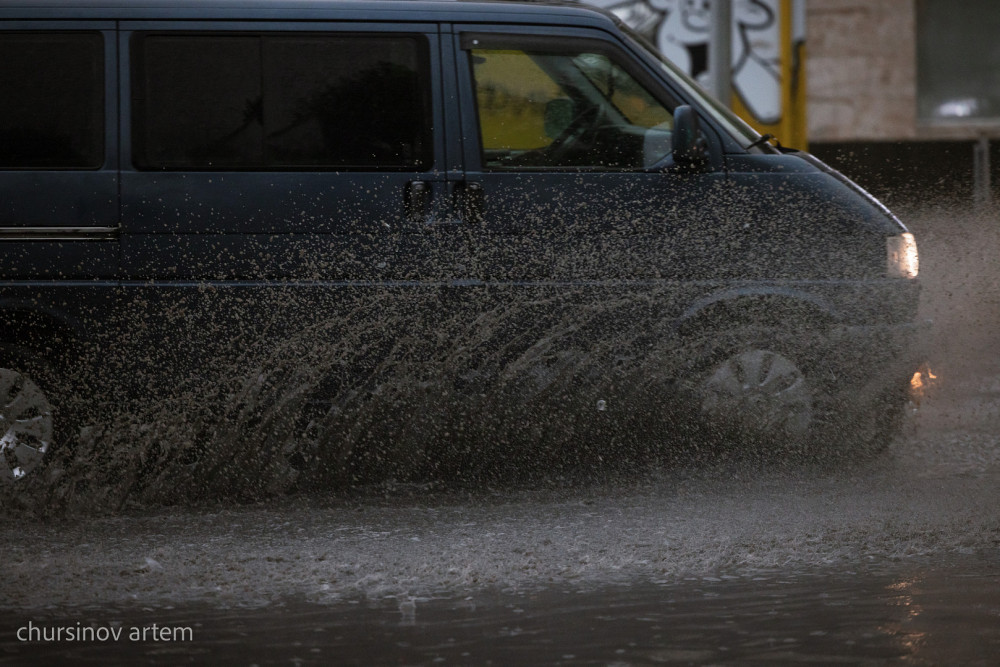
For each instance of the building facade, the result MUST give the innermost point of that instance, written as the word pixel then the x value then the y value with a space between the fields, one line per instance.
pixel 903 69
pixel 905 94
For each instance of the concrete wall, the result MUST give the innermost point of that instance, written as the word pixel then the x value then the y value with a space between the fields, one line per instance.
pixel 861 70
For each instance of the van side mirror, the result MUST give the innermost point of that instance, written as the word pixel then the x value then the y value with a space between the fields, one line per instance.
pixel 558 116
pixel 690 148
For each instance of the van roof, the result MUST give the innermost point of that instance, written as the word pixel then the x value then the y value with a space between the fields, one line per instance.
pixel 551 11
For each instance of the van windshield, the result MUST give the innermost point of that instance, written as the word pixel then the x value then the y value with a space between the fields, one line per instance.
pixel 734 125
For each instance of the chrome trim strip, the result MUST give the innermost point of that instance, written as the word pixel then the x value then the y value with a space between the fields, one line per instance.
pixel 58 233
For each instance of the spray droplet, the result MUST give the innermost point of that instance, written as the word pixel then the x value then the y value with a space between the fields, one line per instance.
pixel 602 405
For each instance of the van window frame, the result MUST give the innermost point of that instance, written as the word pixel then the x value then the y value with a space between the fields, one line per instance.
pixel 136 34
pixel 100 102
pixel 570 40
pixel 63 205
pixel 736 131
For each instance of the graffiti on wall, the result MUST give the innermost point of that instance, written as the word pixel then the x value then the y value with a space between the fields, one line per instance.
pixel 680 30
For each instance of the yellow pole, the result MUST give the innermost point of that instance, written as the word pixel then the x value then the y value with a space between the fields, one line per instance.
pixel 793 78
pixel 786 126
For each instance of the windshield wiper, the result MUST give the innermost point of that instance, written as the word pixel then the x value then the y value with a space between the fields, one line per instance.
pixel 760 142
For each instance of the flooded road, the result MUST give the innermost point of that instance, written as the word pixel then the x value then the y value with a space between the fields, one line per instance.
pixel 913 613
pixel 891 562
pixel 894 563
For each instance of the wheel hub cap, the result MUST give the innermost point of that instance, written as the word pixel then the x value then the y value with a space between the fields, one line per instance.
pixel 25 425
pixel 761 393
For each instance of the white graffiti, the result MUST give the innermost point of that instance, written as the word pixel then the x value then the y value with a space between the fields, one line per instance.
pixel 680 30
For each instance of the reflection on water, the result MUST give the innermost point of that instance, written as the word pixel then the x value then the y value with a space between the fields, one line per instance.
pixel 912 613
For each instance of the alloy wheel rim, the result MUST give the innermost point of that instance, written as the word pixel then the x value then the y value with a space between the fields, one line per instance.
pixel 761 393
pixel 25 425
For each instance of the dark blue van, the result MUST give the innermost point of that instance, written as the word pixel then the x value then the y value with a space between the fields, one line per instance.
pixel 478 225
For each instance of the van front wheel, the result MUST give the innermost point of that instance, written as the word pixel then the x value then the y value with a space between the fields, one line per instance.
pixel 758 395
pixel 776 392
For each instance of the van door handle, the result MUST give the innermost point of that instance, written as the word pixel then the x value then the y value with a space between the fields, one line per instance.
pixel 471 199
pixel 467 203
pixel 417 201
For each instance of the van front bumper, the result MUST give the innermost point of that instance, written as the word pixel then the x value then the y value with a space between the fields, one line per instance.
pixel 880 356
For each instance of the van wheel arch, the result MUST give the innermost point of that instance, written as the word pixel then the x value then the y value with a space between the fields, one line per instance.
pixel 756 310
pixel 40 334
pixel 781 356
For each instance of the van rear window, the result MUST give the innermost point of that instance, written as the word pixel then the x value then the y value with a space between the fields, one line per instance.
pixel 51 100
pixel 295 101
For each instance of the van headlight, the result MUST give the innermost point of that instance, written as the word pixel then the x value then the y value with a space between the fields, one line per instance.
pixel 902 259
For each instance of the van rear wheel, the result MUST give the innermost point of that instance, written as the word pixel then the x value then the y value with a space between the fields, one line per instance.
pixel 26 419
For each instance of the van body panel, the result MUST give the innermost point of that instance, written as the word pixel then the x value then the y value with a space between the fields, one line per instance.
pixel 565 223
pixel 287 222
pixel 35 166
pixel 818 191
pixel 59 184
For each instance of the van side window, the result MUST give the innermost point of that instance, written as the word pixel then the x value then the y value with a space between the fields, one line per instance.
pixel 51 100
pixel 280 101
pixel 559 110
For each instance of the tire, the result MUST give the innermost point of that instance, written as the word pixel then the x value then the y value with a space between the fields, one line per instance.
pixel 782 394
pixel 27 416
pixel 759 391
